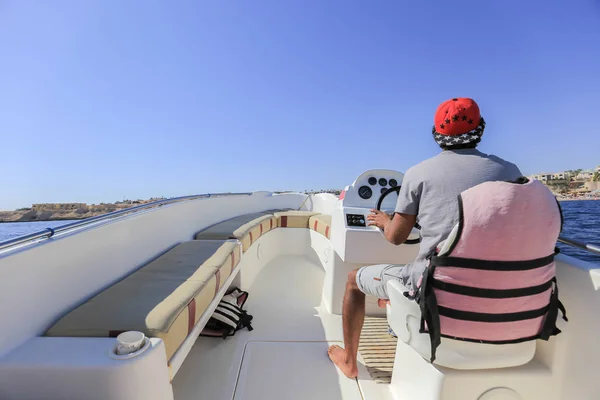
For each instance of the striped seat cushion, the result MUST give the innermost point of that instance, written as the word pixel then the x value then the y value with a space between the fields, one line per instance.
pixel 321 223
pixel 248 233
pixel 294 219
pixel 163 299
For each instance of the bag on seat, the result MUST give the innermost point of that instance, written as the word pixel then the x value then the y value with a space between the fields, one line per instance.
pixel 229 316
pixel 493 280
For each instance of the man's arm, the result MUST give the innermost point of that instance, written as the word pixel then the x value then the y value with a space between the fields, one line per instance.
pixel 399 227
pixel 395 229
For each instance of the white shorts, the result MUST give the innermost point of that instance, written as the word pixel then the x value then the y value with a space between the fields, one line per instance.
pixel 372 279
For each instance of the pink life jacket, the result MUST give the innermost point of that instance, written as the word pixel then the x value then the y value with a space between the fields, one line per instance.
pixel 496 281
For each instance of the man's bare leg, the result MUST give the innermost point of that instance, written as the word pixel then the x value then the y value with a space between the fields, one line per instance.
pixel 353 317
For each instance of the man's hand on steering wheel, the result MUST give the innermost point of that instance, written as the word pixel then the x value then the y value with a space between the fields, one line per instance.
pixel 378 219
pixel 400 224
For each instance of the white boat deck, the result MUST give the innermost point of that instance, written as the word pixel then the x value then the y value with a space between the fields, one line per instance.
pixel 285 356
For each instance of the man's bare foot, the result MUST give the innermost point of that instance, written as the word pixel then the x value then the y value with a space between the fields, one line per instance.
pixel 338 356
pixel 382 303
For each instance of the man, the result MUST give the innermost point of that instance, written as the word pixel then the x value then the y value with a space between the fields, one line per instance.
pixel 428 196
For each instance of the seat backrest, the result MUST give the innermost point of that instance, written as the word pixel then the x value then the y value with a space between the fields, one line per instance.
pixel 404 317
pixel 493 280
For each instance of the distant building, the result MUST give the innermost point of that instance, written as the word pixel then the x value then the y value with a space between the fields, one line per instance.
pixel 542 177
pixel 57 206
pixel 561 176
pixel 585 175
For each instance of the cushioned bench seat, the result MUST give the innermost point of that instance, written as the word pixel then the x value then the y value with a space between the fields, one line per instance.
pixel 247 228
pixel 321 223
pixel 224 229
pixel 294 219
pixel 163 299
pixel 248 233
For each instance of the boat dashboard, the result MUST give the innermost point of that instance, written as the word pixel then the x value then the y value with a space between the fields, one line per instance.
pixel 367 189
pixel 352 238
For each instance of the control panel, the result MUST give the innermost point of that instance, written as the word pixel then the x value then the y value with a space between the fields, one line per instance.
pixel 356 220
pixel 357 244
pixel 352 238
pixel 369 186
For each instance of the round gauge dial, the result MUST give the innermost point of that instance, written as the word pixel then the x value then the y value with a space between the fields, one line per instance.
pixel 393 182
pixel 365 192
pixel 382 181
pixel 372 180
pixel 383 189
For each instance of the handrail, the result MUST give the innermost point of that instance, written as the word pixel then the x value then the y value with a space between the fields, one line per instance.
pixel 49 232
pixel 588 247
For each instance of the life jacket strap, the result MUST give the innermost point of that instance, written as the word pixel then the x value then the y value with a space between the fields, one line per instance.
pixel 492 293
pixel 429 311
pixel 490 265
pixel 550 328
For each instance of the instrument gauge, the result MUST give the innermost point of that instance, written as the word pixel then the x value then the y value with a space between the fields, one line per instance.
pixel 365 192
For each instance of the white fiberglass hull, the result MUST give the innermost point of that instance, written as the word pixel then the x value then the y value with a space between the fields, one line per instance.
pixel 295 282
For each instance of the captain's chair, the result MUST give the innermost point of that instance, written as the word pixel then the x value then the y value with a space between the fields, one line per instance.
pixel 486 298
pixel 404 317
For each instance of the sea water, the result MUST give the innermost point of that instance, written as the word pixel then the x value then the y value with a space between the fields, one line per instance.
pixel 9 230
pixel 582 224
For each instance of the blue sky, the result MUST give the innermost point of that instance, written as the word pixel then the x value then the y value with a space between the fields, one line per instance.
pixel 102 99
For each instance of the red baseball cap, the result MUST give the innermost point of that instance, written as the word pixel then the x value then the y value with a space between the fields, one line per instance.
pixel 457 116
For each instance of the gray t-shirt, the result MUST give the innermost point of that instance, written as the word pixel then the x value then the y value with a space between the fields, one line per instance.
pixel 430 191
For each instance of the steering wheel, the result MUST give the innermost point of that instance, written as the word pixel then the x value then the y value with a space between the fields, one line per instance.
pixel 380 201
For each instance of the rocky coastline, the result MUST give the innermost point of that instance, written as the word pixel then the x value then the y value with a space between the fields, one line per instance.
pixel 33 215
pixel 66 211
